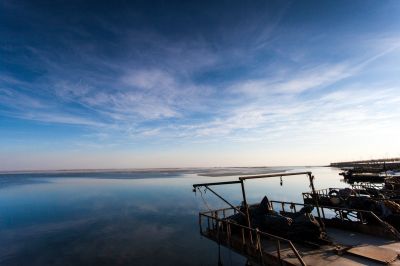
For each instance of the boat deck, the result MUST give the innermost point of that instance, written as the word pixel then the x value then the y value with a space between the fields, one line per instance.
pixel 334 254
pixel 331 255
pixel 352 242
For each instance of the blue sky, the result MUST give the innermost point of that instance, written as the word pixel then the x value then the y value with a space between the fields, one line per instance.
pixel 91 84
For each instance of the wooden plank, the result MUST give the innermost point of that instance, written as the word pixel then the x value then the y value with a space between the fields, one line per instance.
pixel 379 254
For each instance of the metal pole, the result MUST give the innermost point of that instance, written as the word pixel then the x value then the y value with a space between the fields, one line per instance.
pixel 224 200
pixel 273 175
pixel 315 196
pixel 311 177
pixel 215 184
pixel 247 209
pixel 278 249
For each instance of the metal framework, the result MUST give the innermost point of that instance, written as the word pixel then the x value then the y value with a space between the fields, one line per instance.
pixel 241 182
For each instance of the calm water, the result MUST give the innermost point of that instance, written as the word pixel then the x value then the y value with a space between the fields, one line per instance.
pixel 146 218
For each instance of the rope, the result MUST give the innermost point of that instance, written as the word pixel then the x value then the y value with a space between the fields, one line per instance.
pixel 204 201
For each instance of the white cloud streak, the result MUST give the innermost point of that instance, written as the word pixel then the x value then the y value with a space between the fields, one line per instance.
pixel 167 100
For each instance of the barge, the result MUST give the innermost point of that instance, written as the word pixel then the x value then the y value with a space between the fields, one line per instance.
pixel 348 236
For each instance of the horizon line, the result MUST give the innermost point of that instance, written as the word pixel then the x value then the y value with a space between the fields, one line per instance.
pixel 2 172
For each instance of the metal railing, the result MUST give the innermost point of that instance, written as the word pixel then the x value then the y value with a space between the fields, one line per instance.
pixel 325 192
pixel 343 214
pixel 357 190
pixel 226 230
pixel 382 189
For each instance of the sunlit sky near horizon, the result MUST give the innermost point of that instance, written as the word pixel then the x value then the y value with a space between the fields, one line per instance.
pixel 130 84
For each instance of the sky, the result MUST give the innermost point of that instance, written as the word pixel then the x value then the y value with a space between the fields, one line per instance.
pixel 139 84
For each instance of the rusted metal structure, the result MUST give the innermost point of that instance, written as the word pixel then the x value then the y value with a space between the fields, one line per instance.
pixel 271 249
pixel 241 182
pixel 250 242
pixel 384 203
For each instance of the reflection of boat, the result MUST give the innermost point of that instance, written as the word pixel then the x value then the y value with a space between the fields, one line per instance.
pixel 266 232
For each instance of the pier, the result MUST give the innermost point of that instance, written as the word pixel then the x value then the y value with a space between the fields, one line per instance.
pixel 369 166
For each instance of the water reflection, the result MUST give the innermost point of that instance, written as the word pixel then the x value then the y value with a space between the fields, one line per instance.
pixel 80 220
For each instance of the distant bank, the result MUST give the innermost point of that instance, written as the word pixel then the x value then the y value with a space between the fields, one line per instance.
pixel 201 171
pixel 370 166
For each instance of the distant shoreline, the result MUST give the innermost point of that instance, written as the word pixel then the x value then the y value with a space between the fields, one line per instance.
pixel 201 171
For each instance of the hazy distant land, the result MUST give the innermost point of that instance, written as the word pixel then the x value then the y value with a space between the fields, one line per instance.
pixel 211 172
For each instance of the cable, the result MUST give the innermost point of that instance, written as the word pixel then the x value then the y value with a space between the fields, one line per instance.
pixel 204 201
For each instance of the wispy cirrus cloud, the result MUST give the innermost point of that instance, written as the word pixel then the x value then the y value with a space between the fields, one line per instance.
pixel 296 81
pixel 145 94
